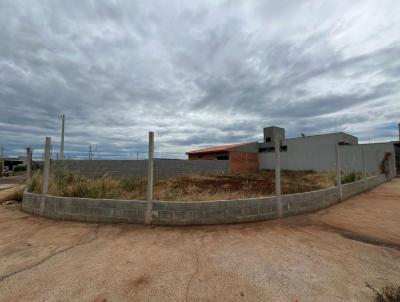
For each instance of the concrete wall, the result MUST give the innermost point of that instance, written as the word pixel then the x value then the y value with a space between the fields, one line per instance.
pixel 351 157
pixel 308 153
pixel 357 187
pixel 138 168
pixel 318 153
pixel 189 212
pixel 84 209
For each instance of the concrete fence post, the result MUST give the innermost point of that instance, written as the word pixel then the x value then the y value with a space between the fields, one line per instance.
pixel 1 167
pixel 338 171
pixel 364 163
pixel 393 165
pixel 46 168
pixel 28 163
pixel 150 179
pixel 278 174
pixel 1 161
pixel 62 136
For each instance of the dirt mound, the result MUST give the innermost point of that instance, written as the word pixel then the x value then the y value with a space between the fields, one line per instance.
pixel 13 193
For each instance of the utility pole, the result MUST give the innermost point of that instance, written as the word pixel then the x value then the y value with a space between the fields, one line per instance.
pixel 364 163
pixel 28 163
pixel 90 152
pixel 137 155
pixel 338 171
pixel 277 145
pixel 46 168
pixel 62 136
pixel 399 132
pixel 1 162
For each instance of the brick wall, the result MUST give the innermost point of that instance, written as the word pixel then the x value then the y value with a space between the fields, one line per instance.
pixel 243 162
pixel 207 156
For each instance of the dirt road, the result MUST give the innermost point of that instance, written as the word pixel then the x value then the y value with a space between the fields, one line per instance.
pixel 326 256
pixel 12 180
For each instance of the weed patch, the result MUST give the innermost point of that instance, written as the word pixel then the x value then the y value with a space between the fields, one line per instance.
pixel 180 188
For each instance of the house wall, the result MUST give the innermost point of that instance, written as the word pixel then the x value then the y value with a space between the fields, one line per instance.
pixel 206 156
pixel 397 155
pixel 304 153
pixel 243 162
pixel 250 147
pixel 318 153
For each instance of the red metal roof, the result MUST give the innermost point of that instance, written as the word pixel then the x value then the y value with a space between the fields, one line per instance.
pixel 216 148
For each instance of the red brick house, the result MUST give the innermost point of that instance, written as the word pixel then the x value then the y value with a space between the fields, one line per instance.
pixel 243 158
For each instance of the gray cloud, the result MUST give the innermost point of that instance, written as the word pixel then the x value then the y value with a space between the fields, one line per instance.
pixel 197 74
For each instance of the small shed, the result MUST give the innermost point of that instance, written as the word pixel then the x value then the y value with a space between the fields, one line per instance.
pixel 243 157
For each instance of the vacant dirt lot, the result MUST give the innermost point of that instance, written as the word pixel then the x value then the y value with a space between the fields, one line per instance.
pixel 326 256
pixel 194 187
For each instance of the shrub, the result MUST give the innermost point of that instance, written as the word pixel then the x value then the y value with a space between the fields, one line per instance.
pixel 19 168
pixel 131 185
pixel 35 183
pixel 351 177
pixel 36 166
pixel 81 189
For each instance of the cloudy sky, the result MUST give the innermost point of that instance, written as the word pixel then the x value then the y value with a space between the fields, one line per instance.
pixel 198 73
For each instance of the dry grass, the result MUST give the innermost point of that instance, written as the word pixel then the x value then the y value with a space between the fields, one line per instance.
pixel 72 185
pixel 184 187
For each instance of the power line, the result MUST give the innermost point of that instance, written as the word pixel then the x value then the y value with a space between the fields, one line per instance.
pixel 31 112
